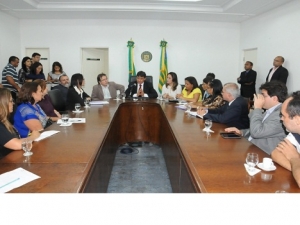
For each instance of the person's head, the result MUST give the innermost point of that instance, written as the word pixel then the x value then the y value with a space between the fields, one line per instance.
pixel 230 91
pixel 248 65
pixel 190 83
pixel 215 88
pixel 102 79
pixel 43 85
pixel 14 61
pixel 211 75
pixel 64 80
pixel 274 92
pixel 172 80
pixel 57 67
pixel 35 57
pixel 6 107
pixel 140 77
pixel 278 61
pixel 77 80
pixel 205 82
pixel 26 63
pixel 31 92
pixel 290 113
pixel 36 68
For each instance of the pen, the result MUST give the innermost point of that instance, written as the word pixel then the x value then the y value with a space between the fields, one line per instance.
pixel 10 182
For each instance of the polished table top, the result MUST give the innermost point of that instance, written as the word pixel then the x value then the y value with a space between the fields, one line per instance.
pixel 216 164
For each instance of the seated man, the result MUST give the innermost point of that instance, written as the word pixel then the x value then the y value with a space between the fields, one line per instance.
pixel 234 113
pixel 205 86
pixel 266 131
pixel 141 87
pixel 287 151
pixel 63 86
pixel 105 89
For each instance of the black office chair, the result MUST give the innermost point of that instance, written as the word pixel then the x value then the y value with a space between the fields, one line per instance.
pixel 57 100
pixel 148 78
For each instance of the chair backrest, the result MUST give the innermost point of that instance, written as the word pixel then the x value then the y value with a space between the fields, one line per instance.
pixel 148 78
pixel 57 100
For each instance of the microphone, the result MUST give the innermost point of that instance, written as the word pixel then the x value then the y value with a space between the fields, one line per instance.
pixel 131 87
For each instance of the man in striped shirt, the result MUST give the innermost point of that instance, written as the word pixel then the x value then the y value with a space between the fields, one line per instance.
pixel 10 76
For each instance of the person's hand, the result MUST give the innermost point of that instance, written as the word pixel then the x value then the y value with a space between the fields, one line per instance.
pixel 179 96
pixel 201 111
pixel 165 96
pixel 233 129
pixel 57 114
pixel 34 134
pixel 259 101
pixel 287 149
pixel 140 93
pixel 238 78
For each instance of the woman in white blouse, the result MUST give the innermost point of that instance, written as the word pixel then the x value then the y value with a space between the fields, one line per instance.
pixel 171 88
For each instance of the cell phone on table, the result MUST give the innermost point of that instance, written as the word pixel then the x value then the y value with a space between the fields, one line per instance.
pixel 229 135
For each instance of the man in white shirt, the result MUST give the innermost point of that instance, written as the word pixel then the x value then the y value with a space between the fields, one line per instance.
pixel 278 72
pixel 105 89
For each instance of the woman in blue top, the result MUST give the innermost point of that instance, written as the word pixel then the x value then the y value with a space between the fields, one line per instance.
pixel 29 116
pixel 36 72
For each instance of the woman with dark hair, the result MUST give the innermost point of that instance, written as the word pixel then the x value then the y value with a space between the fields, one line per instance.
pixel 171 88
pixel 75 93
pixel 215 100
pixel 25 70
pixel 29 115
pixel 191 92
pixel 57 71
pixel 36 72
pixel 9 139
pixel 46 103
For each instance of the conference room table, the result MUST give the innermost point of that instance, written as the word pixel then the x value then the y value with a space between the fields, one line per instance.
pixel 79 158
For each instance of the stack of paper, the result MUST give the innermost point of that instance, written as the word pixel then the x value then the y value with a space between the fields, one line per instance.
pixel 46 134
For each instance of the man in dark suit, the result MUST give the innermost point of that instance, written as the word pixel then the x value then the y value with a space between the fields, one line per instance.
pixel 278 72
pixel 233 113
pixel 247 80
pixel 141 87
pixel 63 86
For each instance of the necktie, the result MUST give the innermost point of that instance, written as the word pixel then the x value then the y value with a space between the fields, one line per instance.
pixel 140 87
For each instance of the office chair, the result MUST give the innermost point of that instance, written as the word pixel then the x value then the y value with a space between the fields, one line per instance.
pixel 148 78
pixel 57 100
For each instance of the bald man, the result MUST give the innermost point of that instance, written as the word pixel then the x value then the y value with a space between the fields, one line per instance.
pixel 278 72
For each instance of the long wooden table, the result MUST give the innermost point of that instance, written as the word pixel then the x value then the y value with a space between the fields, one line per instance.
pixel 79 158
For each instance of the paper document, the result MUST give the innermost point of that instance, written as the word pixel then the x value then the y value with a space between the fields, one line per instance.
pixel 99 102
pixel 73 120
pixel 15 178
pixel 46 134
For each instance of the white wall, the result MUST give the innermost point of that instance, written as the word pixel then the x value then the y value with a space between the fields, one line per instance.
pixel 9 39
pixel 275 33
pixel 194 48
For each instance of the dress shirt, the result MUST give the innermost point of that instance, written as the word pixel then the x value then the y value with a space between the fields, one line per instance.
pixel 106 92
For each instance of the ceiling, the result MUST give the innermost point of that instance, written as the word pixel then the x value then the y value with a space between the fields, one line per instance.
pixel 205 10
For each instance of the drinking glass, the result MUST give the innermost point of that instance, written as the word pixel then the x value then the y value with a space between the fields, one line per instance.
pixel 86 103
pixel 159 97
pixel 77 106
pixel 208 125
pixel 65 118
pixel 252 161
pixel 188 108
pixel 26 146
pixel 118 97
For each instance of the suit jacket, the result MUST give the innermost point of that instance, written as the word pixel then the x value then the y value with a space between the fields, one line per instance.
pixel 280 74
pixel 148 89
pixel 63 89
pixel 97 93
pixel 247 81
pixel 234 115
pixel 73 97
pixel 265 135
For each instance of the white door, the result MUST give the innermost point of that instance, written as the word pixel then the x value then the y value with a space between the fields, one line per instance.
pixel 251 55
pixel 94 61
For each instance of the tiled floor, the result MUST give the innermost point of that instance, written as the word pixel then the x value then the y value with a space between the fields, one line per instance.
pixel 143 171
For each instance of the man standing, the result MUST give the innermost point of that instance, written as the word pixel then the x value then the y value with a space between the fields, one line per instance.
pixel 247 80
pixel 234 113
pixel 141 87
pixel 10 76
pixel 278 72
pixel 265 130
pixel 36 57
pixel 63 86
pixel 105 89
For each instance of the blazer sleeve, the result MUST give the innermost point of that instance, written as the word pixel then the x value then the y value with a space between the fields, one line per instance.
pixel 248 78
pixel 74 97
pixel 95 95
pixel 151 92
pixel 283 75
pixel 132 88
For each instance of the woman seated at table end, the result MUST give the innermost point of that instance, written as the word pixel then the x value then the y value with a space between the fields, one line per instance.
pixel 171 88
pixel 29 115
pixel 191 92
pixel 9 139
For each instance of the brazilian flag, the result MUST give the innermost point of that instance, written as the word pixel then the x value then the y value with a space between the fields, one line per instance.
pixel 163 65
